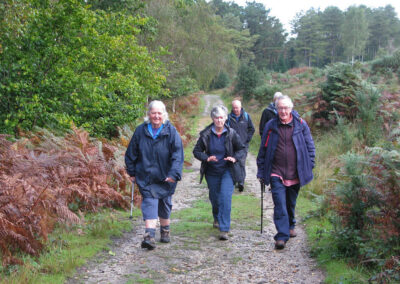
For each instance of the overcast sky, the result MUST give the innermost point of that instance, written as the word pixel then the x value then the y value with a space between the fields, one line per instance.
pixel 286 10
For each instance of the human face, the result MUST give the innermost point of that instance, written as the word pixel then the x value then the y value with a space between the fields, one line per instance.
pixel 284 110
pixel 219 122
pixel 155 117
pixel 236 108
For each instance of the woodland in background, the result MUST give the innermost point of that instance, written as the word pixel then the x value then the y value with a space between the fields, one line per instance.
pixel 96 63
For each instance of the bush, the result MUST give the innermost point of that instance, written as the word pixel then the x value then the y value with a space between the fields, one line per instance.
pixel 265 93
pixel 221 81
pixel 368 120
pixel 183 86
pixel 338 93
pixel 367 203
pixel 387 63
pixel 248 79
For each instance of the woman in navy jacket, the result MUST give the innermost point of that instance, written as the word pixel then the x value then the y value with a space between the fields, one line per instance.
pixel 219 148
pixel 154 160
pixel 285 161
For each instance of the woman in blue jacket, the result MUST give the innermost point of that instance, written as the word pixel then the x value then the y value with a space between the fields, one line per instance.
pixel 154 160
pixel 285 161
pixel 219 148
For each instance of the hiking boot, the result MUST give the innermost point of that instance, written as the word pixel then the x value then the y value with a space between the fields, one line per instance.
pixel 292 233
pixel 241 187
pixel 216 224
pixel 280 244
pixel 165 236
pixel 148 242
pixel 223 236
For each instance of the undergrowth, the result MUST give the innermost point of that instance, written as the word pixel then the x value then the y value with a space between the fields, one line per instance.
pixel 68 247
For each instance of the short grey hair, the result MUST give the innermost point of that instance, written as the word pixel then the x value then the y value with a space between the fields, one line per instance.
pixel 237 102
pixel 157 104
pixel 284 97
pixel 277 95
pixel 219 110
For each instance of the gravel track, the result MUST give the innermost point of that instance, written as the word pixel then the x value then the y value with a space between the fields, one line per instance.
pixel 247 257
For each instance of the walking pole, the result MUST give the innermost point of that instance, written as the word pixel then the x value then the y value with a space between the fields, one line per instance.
pixel 262 205
pixel 133 187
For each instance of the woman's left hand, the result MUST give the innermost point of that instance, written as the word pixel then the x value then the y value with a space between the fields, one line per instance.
pixel 168 179
pixel 230 159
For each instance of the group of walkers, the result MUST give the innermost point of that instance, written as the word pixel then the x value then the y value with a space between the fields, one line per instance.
pixel 154 161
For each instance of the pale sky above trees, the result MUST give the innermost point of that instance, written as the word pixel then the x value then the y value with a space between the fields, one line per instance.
pixel 286 10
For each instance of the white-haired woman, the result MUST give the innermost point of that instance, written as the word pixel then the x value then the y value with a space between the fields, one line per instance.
pixel 218 148
pixel 154 160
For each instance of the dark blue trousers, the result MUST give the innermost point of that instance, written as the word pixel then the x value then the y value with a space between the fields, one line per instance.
pixel 284 198
pixel 220 194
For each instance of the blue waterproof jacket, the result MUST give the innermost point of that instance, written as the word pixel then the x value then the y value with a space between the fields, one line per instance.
pixel 151 161
pixel 303 142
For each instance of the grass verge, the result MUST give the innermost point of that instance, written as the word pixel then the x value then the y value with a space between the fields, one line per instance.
pixel 69 247
pixel 319 230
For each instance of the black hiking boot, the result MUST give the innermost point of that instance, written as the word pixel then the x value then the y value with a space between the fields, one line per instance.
pixel 148 242
pixel 165 236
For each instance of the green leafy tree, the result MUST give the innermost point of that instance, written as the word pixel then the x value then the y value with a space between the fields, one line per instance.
pixel 332 19
pixel 70 65
pixel 355 32
pixel 270 34
pixel 198 44
pixel 383 30
pixel 310 40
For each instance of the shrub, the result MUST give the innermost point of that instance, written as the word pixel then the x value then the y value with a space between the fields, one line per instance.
pixel 182 86
pixel 248 79
pixel 221 81
pixel 265 93
pixel 367 203
pixel 368 120
pixel 387 64
pixel 338 93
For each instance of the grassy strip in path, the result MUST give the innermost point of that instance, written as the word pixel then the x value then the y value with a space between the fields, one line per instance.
pixel 196 222
pixel 69 248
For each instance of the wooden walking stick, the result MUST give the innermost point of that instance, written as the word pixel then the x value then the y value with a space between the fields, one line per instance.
pixel 262 205
pixel 133 188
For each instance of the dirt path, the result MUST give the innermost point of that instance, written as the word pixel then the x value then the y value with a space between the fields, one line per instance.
pixel 247 257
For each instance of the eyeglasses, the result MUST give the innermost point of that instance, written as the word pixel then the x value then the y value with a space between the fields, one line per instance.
pixel 284 108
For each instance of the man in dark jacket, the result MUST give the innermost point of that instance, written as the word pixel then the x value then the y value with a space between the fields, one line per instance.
pixel 154 161
pixel 285 161
pixel 240 120
pixel 269 112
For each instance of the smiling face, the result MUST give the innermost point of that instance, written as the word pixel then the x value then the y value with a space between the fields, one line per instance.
pixel 155 117
pixel 236 107
pixel 284 110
